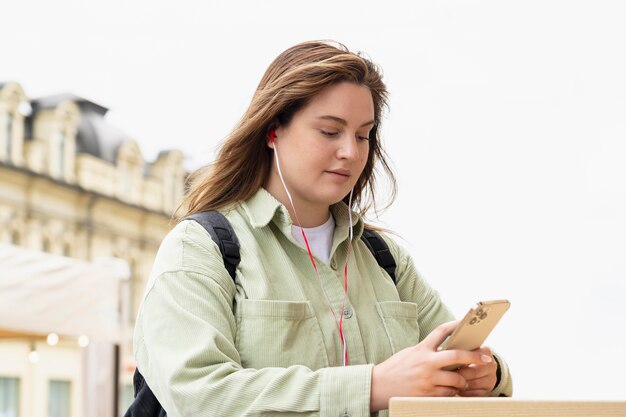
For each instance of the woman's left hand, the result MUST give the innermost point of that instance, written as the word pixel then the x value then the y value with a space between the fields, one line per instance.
pixel 481 379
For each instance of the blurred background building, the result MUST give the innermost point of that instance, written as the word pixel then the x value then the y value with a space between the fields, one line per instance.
pixel 81 217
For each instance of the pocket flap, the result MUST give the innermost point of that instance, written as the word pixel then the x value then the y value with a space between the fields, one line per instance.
pixel 398 309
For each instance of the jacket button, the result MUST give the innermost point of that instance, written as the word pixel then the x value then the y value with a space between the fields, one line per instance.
pixel 347 312
pixel 333 264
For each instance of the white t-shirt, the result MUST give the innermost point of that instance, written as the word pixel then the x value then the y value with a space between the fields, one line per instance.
pixel 320 238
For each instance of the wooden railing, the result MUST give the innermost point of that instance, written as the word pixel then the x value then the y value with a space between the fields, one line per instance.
pixel 502 407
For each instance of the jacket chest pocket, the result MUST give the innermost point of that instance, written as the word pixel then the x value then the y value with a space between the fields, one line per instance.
pixel 400 321
pixel 274 333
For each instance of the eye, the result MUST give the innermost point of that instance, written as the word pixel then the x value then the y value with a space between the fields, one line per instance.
pixel 329 133
pixel 363 137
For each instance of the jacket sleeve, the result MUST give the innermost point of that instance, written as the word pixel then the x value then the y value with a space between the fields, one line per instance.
pixel 185 346
pixel 432 312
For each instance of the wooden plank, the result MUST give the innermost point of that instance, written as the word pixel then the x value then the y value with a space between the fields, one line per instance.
pixel 502 407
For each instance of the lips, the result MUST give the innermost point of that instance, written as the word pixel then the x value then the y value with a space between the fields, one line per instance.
pixel 340 171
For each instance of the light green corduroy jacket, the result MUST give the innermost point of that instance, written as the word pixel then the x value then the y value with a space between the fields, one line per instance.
pixel 268 343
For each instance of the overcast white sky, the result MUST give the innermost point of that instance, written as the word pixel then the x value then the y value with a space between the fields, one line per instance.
pixel 507 129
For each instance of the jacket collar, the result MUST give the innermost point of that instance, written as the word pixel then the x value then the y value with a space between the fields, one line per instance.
pixel 263 207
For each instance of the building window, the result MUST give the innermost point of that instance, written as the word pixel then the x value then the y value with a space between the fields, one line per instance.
pixel 132 290
pixel 58 155
pixel 128 395
pixel 8 118
pixel 15 240
pixel 45 245
pixel 126 180
pixel 9 397
pixel 6 132
pixel 59 398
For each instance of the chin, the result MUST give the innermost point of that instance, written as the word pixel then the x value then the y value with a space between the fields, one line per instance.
pixel 336 198
pixel 329 196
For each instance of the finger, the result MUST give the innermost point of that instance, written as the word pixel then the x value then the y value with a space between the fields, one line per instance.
pixel 484 350
pixel 474 393
pixel 472 372
pixel 437 336
pixel 449 379
pixel 477 371
pixel 459 357
pixel 485 383
pixel 444 392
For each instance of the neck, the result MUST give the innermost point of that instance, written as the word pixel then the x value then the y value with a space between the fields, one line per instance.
pixel 308 220
pixel 308 213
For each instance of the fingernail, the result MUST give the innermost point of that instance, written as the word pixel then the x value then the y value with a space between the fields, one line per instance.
pixel 485 358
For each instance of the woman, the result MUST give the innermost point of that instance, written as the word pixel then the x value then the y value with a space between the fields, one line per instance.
pixel 311 324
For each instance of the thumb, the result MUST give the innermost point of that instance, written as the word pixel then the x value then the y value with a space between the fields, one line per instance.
pixel 437 336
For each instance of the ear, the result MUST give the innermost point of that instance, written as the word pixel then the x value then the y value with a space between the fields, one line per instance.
pixel 271 135
pixel 272 138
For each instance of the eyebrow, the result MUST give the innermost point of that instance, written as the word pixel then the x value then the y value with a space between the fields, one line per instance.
pixel 342 121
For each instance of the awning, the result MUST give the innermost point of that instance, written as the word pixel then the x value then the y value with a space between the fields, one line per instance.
pixel 42 293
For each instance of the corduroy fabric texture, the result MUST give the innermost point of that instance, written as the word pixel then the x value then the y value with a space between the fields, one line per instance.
pixel 267 344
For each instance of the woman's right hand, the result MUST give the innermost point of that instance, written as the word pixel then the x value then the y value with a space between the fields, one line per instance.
pixel 417 370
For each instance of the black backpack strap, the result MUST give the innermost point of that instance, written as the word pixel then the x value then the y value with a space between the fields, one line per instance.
pixel 145 403
pixel 223 235
pixel 379 248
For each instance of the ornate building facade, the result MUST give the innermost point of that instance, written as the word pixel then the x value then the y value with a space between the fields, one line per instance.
pixel 73 185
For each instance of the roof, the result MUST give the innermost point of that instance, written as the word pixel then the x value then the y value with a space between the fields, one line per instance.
pixel 55 100
pixel 95 135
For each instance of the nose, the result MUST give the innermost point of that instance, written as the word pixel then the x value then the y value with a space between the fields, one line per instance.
pixel 348 148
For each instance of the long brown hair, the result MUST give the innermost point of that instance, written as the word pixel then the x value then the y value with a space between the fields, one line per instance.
pixel 295 77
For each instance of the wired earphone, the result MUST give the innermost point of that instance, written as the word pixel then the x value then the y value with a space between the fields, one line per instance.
pixel 339 322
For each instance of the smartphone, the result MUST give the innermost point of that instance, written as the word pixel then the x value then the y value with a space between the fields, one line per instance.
pixel 473 330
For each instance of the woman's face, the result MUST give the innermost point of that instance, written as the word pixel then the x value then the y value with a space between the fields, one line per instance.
pixel 324 148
